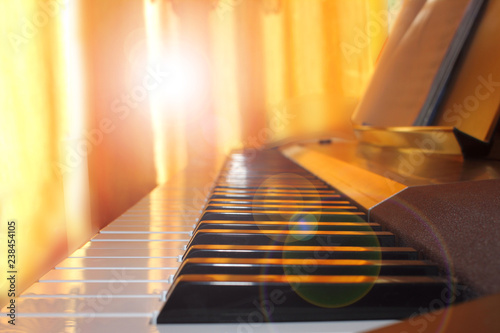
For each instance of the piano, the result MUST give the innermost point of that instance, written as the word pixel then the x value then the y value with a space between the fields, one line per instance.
pixel 378 234
pixel 283 240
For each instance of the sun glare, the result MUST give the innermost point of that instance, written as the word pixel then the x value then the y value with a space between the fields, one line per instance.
pixel 184 78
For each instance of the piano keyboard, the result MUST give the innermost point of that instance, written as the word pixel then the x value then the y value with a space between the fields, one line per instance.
pixel 276 239
pixel 272 243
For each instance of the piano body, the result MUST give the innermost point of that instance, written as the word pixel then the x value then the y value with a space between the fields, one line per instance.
pixel 121 279
pixel 397 224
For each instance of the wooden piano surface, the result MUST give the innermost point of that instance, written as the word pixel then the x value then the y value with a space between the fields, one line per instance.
pixel 118 280
pixel 370 174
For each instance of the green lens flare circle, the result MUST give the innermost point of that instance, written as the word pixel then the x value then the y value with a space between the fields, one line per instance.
pixel 359 269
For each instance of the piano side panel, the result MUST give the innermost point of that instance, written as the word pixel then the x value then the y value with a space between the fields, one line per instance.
pixel 455 225
pixel 480 315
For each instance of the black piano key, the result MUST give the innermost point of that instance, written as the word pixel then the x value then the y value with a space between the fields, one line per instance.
pixel 301 252
pixel 223 191
pixel 273 225
pixel 278 298
pixel 270 178
pixel 256 186
pixel 224 176
pixel 318 216
pixel 279 237
pixel 277 196
pixel 337 201
pixel 309 266
pixel 278 203
pixel 301 209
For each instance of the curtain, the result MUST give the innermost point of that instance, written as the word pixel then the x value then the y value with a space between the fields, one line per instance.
pixel 250 73
pixel 101 100
pixel 77 150
pixel 33 120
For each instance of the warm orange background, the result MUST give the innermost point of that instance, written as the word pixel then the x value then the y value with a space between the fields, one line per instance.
pixel 101 100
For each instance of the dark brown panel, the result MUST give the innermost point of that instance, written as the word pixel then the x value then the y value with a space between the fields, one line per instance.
pixel 456 225
pixel 480 315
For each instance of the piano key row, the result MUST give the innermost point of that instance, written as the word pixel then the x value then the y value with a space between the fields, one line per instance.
pixel 283 230
pixel 119 279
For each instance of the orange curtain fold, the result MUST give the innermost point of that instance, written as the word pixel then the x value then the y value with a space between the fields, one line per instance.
pixel 276 69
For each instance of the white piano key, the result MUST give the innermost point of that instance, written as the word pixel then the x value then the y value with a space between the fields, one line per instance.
pixel 136 245
pixel 155 215
pixel 141 237
pixel 172 220
pixel 296 327
pixel 192 215
pixel 92 263
pixel 119 276
pixel 166 211
pixel 161 209
pixel 179 205
pixel 153 209
pixel 142 324
pixel 162 202
pixel 176 221
pixel 137 232
pixel 145 228
pixel 173 208
pixel 80 325
pixel 70 289
pixel 129 253
pixel 103 305
pixel 155 223
pixel 187 225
